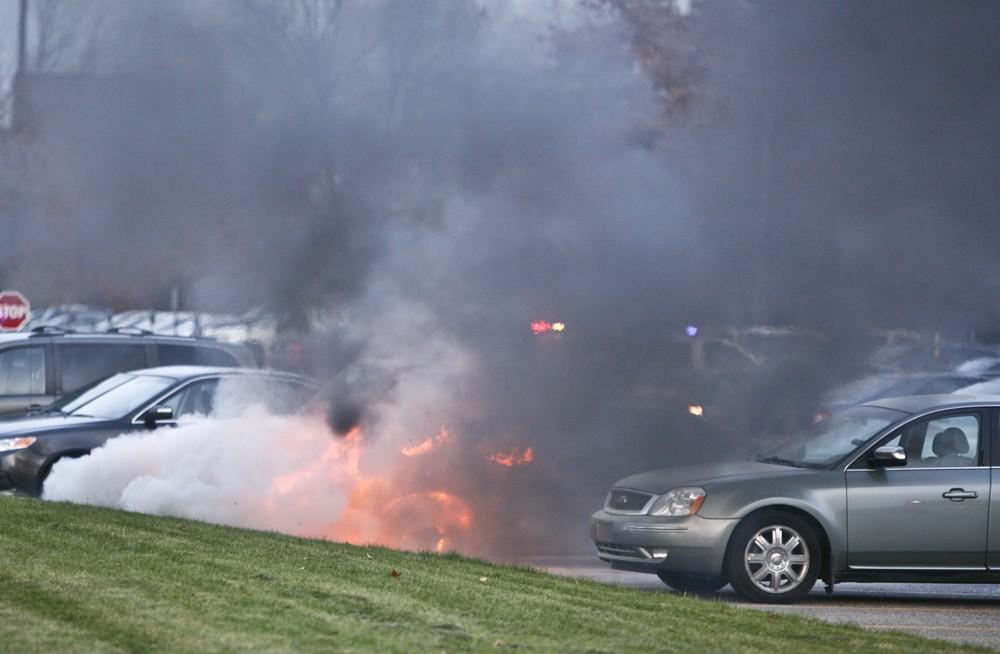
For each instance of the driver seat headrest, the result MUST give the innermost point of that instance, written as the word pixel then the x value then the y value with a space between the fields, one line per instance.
pixel 950 441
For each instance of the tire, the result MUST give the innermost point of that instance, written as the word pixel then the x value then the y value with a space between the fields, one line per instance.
pixel 773 558
pixel 691 584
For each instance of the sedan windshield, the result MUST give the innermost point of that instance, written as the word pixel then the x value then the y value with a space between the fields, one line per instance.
pixel 833 439
pixel 117 396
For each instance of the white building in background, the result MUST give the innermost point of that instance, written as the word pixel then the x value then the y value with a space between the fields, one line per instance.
pixel 251 326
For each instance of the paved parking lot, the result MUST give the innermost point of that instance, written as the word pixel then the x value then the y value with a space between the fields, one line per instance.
pixel 966 613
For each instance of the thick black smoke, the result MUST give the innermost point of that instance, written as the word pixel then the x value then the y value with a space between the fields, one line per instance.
pixel 425 179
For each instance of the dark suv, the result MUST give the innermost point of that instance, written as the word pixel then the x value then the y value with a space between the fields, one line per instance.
pixel 40 366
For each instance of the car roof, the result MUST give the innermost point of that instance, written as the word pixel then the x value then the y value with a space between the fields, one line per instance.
pixel 13 337
pixel 190 372
pixel 925 403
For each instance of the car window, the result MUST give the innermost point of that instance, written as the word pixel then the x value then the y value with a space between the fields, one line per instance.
pixel 211 356
pixel 279 396
pixel 72 401
pixel 22 371
pixel 123 399
pixel 945 442
pixel 82 363
pixel 194 355
pixel 195 399
pixel 830 441
pixel 288 397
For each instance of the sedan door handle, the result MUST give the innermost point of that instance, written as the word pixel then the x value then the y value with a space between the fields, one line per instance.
pixel 959 494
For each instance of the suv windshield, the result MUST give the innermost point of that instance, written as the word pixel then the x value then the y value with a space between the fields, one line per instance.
pixel 831 440
pixel 117 396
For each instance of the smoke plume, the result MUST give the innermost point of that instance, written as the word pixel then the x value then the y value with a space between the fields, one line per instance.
pixel 409 185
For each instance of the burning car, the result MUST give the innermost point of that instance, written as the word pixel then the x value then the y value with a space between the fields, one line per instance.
pixel 818 507
pixel 132 402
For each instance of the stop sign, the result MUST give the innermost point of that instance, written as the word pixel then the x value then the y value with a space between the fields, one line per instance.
pixel 14 310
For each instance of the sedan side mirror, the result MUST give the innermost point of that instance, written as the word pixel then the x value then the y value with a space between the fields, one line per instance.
pixel 887 456
pixel 158 415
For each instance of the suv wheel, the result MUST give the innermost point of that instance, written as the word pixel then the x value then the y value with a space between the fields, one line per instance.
pixel 692 584
pixel 773 558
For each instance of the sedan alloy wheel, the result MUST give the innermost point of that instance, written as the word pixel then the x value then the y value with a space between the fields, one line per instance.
pixel 777 559
pixel 773 557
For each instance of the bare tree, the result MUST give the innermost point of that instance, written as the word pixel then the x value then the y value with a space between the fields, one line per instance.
pixel 64 37
pixel 673 43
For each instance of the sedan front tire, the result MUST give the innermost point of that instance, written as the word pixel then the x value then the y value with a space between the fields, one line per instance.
pixel 773 558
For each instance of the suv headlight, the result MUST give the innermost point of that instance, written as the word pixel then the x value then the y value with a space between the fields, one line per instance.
pixel 679 502
pixel 18 443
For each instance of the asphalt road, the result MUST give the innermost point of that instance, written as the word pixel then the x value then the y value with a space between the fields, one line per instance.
pixel 965 613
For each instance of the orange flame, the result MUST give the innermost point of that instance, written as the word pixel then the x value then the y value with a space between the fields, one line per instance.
pixel 427 445
pixel 513 458
pixel 383 508
pixel 343 454
pixel 418 520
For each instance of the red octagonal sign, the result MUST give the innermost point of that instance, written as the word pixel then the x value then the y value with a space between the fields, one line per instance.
pixel 14 311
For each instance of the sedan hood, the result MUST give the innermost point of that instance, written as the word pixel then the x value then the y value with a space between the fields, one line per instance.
pixel 660 481
pixel 40 424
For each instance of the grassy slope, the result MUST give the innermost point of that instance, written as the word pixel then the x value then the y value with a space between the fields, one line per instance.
pixel 77 578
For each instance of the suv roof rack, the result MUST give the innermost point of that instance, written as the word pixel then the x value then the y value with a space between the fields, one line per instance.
pixel 133 331
pixel 41 330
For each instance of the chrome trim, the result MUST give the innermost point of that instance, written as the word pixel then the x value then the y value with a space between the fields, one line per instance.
pixel 960 406
pixel 645 507
pixel 928 568
pixel 905 469
pixel 654 528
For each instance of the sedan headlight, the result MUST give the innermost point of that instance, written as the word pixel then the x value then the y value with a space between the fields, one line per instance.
pixel 679 502
pixel 18 443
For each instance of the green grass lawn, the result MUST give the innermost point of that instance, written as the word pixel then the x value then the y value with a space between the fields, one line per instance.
pixel 84 579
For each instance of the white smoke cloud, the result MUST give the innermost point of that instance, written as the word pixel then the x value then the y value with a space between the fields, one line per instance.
pixel 260 471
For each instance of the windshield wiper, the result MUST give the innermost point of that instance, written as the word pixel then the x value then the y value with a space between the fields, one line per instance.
pixel 782 462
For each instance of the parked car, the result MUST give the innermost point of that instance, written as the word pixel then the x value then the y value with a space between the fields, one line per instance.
pixel 894 490
pixel 987 387
pixel 131 402
pixel 897 384
pixel 38 367
pixel 929 354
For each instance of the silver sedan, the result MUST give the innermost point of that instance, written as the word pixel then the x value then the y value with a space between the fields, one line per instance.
pixel 895 490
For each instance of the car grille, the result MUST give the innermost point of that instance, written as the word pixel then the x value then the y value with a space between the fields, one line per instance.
pixel 622 500
pixel 627 551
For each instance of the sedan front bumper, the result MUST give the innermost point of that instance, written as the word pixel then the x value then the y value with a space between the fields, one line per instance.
pixel 649 543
